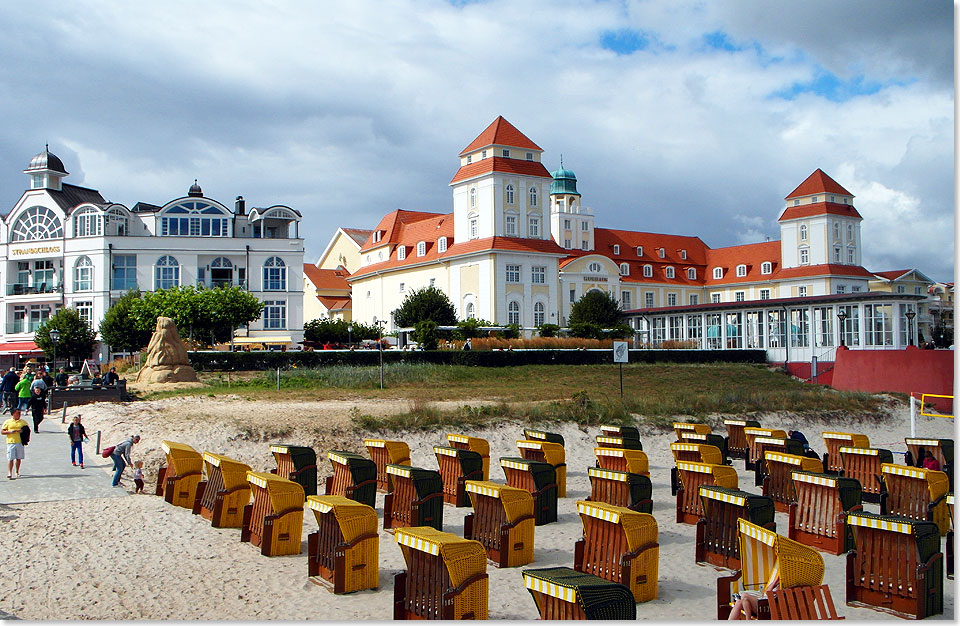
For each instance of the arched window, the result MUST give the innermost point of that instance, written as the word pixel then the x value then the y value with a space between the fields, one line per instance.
pixel 421 248
pixel 513 313
pixel 595 267
pixel 194 219
pixel 717 273
pixel 166 273
pixel 533 196
pixel 539 315
pixel 83 274
pixel 117 222
pixel 274 274
pixel 87 222
pixel 37 222
pixel 648 271
pixel 509 194
pixel 624 269
pixel 473 198
pixel 803 232
pixel 221 272
pixel 741 270
pixel 471 311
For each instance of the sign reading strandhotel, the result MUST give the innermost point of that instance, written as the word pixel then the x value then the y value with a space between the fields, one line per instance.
pixel 39 250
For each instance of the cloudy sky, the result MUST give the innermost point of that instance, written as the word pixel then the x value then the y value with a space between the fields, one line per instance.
pixel 686 117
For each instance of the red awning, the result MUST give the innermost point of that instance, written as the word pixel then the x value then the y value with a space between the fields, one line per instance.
pixel 20 347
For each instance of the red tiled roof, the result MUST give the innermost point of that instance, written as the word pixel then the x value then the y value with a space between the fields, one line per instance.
pixel 503 165
pixel 335 304
pixel 827 269
pixel 892 274
pixel 501 133
pixel 628 240
pixel 326 279
pixel 393 223
pixel 819 208
pixel 358 234
pixel 818 182
pixel 752 255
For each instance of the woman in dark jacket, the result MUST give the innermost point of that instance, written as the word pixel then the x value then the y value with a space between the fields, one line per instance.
pixel 77 434
pixel 37 407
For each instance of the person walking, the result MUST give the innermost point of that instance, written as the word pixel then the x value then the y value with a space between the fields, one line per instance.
pixel 121 457
pixel 8 386
pixel 23 390
pixel 11 428
pixel 77 434
pixel 37 407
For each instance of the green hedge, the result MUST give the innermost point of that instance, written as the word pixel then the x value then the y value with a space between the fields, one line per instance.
pixel 250 361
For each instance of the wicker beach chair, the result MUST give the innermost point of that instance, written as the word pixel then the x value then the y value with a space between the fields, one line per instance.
pixel 222 496
pixel 474 444
pixel 694 453
pixel 537 478
pixel 783 445
pixel 622 460
pixel 539 435
pixel 750 434
pixel 274 520
pixel 547 452
pixel 718 537
pixel 354 477
pixel 710 439
pixel 343 554
pixel 415 500
pixel 818 518
pixel 623 443
pixel 691 477
pixel 833 441
pixel 896 567
pixel 384 452
pixel 177 480
pixel 296 463
pixel 631 491
pixel 502 520
pixel 446 576
pixel 863 464
pixel 778 483
pixel 736 440
pixel 941 449
pixel 625 432
pixel 915 493
pixel 687 427
pixel 619 545
pixel 562 593
pixel 457 466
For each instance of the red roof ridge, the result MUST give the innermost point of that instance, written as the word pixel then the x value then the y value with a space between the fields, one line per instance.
pixel 818 182
pixel 503 133
pixel 501 164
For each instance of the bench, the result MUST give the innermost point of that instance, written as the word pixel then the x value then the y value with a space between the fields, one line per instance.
pixel 446 576
pixel 222 496
pixel 177 480
pixel 687 427
pixel 818 518
pixel 833 441
pixel 415 499
pixel 474 444
pixel 778 483
pixel 718 539
pixel 773 444
pixel 623 460
pixel 502 520
pixel 915 493
pixel 274 520
pixel 896 566
pixel 625 432
pixel 383 452
pixel 695 453
pixel 539 435
pixel 709 439
pixel 296 463
pixel 619 545
pixel 539 479
pixel 941 449
pixel 691 477
pixel 457 466
pixel 548 452
pixel 750 433
pixel 863 464
pixel 623 443
pixel 736 440
pixel 354 477
pixel 343 554
pixel 626 489
pixel 562 593
pixel 806 602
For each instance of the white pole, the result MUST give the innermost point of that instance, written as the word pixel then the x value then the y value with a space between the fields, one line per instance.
pixel 913 417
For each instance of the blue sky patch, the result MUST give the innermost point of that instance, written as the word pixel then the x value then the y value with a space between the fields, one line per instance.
pixel 719 40
pixel 624 41
pixel 830 86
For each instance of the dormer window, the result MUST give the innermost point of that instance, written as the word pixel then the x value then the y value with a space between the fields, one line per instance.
pixel 661 253
pixel 529 156
pixel 813 200
pixel 401 253
pixel 639 250
pixel 692 274
pixel 796 202
pixel 421 248
pixel 741 271
pixel 766 267
pixel 616 249
pixel 506 153
pixel 377 235
pixel 442 244
pixel 683 255
pixel 717 273
pixel 624 269
pixel 469 159
pixel 648 271
pixel 668 272
pixel 483 154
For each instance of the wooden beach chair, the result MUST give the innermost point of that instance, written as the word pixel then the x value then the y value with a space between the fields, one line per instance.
pixel 915 493
pixel 784 445
pixel 222 496
pixel 718 537
pixel 539 435
pixel 949 541
pixel 274 520
pixel 896 567
pixel 343 554
pixel 457 466
pixel 622 460
pixel 778 483
pixel 474 444
pixel 626 489
pixel 416 498
pixel 691 477
pixel 833 441
pixel 623 443
pixel 562 593
pixel 694 453
pixel 354 477
pixel 619 545
pixel 941 449
pixel 710 439
pixel 750 433
pixel 537 478
pixel 818 517
pixel 502 520
pixel 679 428
pixel 736 440
pixel 548 452
pixel 384 452
pixel 863 464
pixel 446 576
pixel 806 602
pixel 625 432
pixel 296 463
pixel 177 480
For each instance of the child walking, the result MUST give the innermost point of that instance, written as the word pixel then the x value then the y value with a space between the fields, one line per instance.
pixel 138 476
pixel 77 434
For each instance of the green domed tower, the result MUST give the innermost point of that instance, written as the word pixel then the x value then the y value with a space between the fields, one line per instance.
pixel 571 224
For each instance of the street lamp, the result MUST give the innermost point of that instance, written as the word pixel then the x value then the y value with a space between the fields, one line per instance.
pixel 54 338
pixel 349 335
pixel 910 315
pixel 380 347
pixel 842 316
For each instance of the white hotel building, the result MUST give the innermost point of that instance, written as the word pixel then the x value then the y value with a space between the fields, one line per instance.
pixel 65 246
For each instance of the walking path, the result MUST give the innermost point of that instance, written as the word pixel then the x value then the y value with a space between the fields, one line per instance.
pixel 47 475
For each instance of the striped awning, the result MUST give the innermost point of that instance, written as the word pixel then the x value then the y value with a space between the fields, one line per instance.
pixel 870 522
pixel 815 480
pixel 417 543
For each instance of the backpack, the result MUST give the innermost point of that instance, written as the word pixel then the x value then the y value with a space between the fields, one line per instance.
pixel 24 434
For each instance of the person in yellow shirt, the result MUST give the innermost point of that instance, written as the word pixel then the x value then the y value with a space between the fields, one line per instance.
pixel 11 428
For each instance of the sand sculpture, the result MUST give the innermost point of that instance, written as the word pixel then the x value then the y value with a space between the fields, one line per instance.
pixel 167 360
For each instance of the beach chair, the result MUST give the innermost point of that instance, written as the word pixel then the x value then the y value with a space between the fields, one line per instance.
pixel 764 553
pixel 806 602
pixel 383 452
pixel 941 449
pixel 750 433
pixel 691 477
pixel 539 435
pixel 619 545
pixel 274 520
pixel 694 453
pixel 416 498
pixel 718 538
pixel 896 567
pixel 446 576
pixel 688 427
pixel 474 444
pixel 547 452
pixel 710 439
pixel 502 520
pixel 343 554
pixel 539 479
pixel 457 466
pixel 177 480
pixel 736 440
pixel 622 460
pixel 354 477
pixel 778 483
pixel 631 491
pixel 783 445
pixel 863 464
pixel 818 517
pixel 833 441
pixel 915 493
pixel 222 496
pixel 949 541
pixel 296 463
pixel 625 432
pixel 562 593
pixel 623 443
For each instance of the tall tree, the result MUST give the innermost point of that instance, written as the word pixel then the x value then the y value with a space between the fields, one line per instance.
pixel 426 304
pixel 596 307
pixel 203 315
pixel 119 328
pixel 77 340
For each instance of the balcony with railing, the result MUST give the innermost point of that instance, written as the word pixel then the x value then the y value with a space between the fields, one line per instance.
pixel 213 283
pixel 24 326
pixel 24 289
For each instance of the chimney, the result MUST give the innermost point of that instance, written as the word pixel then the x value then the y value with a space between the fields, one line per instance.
pixel 241 206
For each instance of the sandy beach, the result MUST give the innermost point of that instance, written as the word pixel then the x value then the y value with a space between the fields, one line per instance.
pixel 139 558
